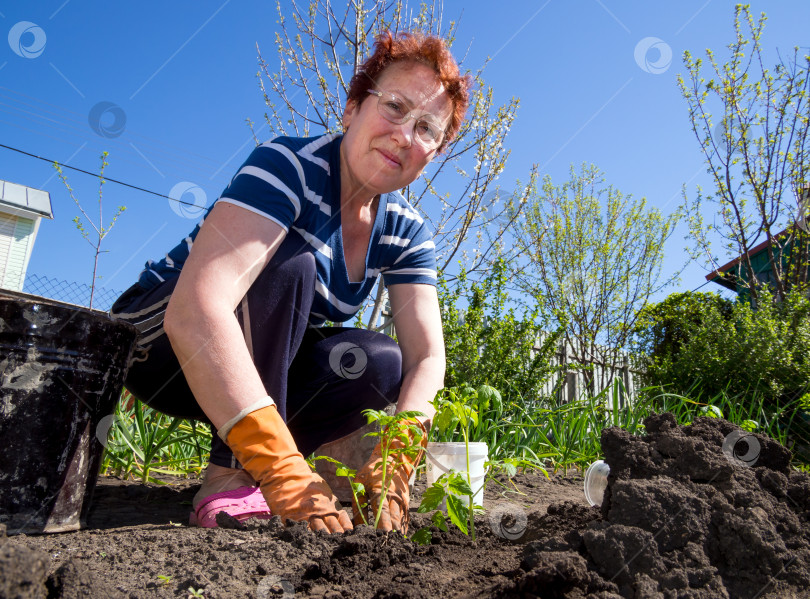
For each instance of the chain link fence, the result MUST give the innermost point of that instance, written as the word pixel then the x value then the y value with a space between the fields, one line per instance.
pixel 70 292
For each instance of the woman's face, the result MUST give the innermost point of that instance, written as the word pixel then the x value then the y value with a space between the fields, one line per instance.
pixel 378 156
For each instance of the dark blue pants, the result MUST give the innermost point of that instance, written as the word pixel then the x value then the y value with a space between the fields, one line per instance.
pixel 320 378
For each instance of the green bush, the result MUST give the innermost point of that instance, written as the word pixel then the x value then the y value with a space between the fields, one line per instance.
pixel 487 343
pixel 699 345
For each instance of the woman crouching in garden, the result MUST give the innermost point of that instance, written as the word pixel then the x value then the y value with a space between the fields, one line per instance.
pixel 230 320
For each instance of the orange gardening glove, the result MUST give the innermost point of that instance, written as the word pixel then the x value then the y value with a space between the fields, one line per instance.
pixel 264 446
pixel 394 513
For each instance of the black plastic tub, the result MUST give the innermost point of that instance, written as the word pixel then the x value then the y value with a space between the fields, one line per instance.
pixel 62 369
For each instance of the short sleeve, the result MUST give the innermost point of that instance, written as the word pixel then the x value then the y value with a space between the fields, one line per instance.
pixel 267 184
pixel 417 261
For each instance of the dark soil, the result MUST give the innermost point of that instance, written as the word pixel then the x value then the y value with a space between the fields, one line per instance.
pixel 681 518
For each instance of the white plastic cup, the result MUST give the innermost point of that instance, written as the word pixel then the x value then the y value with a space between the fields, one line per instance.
pixel 443 457
pixel 596 479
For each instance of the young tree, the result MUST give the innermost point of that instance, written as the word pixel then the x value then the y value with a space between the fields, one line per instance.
pixel 593 259
pixel 756 149
pixel 99 230
pixel 319 47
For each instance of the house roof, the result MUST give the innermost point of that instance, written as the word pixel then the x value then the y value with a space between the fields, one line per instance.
pixel 16 199
pixel 726 281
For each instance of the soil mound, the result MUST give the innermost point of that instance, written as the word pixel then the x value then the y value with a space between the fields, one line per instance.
pixel 706 510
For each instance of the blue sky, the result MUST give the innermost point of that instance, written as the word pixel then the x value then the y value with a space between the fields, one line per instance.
pixel 165 88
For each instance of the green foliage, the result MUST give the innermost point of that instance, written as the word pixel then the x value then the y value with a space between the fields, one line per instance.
pixel 142 441
pixel 486 343
pixel 433 496
pixel 450 487
pixel 473 415
pixel 707 349
pixel 467 414
pixel 699 345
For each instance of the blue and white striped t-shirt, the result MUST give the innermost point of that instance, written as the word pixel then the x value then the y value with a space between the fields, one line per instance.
pixel 296 183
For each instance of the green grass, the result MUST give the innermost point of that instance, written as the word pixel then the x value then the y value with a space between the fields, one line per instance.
pixel 143 442
pixel 547 433
pixel 558 435
pixel 553 434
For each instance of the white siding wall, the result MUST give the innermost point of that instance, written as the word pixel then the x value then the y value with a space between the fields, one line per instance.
pixel 15 240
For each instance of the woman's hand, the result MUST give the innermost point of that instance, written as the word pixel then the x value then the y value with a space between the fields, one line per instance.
pixel 398 469
pixel 419 333
pixel 263 444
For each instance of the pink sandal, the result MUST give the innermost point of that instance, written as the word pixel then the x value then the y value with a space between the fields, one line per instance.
pixel 241 503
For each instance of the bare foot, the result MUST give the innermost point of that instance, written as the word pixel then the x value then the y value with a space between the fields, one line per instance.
pixel 218 479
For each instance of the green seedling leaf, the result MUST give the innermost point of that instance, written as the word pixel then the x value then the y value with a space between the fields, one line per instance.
pixel 431 498
pixel 408 415
pixel 749 425
pixel 345 471
pixel 444 420
pixel 439 521
pixel 489 398
pixel 458 484
pixel 457 512
pixel 482 402
pixel 508 466
pixel 375 415
pixel 422 536
pixel 711 411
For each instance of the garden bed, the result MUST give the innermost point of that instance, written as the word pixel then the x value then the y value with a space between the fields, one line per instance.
pixel 680 519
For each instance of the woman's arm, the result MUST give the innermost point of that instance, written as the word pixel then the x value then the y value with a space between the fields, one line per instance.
pixel 230 251
pixel 419 332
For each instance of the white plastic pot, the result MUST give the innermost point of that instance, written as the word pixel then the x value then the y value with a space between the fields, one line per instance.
pixel 443 457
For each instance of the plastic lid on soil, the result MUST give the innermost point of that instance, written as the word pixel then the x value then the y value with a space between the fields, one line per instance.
pixel 596 482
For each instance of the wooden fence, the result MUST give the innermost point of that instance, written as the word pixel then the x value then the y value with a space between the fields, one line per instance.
pixel 587 372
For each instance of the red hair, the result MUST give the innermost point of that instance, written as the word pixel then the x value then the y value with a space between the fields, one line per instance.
pixel 425 49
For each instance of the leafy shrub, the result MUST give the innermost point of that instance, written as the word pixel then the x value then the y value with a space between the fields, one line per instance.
pixel 699 345
pixel 487 343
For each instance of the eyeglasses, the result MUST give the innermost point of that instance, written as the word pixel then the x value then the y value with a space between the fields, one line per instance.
pixel 427 132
